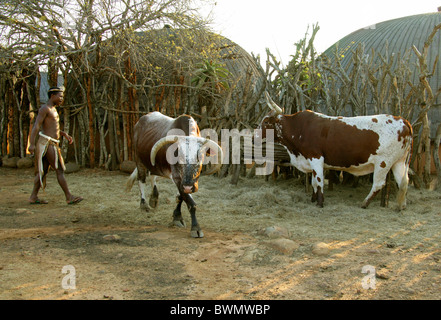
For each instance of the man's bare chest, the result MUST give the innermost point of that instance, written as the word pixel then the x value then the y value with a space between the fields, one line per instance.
pixel 52 115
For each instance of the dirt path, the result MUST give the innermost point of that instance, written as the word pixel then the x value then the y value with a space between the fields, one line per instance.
pixel 118 252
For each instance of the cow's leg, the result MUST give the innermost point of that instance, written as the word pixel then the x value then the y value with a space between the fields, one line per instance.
pixel 196 231
pixel 380 175
pixel 153 201
pixel 400 170
pixel 317 181
pixel 142 175
pixel 178 221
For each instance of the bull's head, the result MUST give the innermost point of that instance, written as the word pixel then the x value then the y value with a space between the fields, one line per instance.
pixel 270 121
pixel 186 157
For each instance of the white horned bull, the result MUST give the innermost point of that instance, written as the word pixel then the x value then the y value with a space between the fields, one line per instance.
pixel 358 145
pixel 174 149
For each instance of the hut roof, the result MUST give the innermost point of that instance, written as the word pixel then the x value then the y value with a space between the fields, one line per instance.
pixel 237 60
pixel 393 36
pixel 396 36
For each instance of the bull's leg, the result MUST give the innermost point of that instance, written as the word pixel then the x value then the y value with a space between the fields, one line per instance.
pixel 153 201
pixel 196 231
pixel 400 170
pixel 317 181
pixel 142 175
pixel 380 175
pixel 178 221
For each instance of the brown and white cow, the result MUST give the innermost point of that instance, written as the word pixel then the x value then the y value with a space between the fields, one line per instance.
pixel 174 149
pixel 358 145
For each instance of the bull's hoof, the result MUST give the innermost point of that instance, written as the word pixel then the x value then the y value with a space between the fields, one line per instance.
pixel 179 223
pixel 153 202
pixel 197 233
pixel 144 206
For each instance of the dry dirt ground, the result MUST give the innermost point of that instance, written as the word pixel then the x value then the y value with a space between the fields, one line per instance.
pixel 119 252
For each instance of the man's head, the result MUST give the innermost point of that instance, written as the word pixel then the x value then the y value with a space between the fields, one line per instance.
pixel 56 94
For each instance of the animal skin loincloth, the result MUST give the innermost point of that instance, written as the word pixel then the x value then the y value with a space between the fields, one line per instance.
pixel 44 142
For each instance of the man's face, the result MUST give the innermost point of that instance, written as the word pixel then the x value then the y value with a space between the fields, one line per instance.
pixel 58 98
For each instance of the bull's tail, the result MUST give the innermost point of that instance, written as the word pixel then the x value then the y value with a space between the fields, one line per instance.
pixel 402 191
pixel 409 148
pixel 409 142
pixel 131 180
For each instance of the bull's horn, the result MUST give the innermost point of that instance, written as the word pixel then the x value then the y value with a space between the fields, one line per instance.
pixel 159 144
pixel 220 157
pixel 271 104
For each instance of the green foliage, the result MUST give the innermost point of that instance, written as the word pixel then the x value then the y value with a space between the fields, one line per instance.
pixel 211 75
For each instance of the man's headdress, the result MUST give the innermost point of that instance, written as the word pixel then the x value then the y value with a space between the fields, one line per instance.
pixel 54 90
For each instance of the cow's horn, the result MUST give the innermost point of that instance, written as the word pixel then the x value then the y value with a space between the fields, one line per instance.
pixel 220 157
pixel 159 144
pixel 272 104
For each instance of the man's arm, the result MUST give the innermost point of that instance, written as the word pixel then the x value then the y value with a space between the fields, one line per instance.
pixel 36 128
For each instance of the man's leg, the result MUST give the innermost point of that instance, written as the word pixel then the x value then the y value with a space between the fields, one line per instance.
pixel 33 199
pixel 70 199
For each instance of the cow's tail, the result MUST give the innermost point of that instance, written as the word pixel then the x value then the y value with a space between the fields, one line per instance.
pixel 401 196
pixel 131 180
pixel 409 143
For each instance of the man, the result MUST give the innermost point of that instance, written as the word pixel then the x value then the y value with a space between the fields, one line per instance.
pixel 47 151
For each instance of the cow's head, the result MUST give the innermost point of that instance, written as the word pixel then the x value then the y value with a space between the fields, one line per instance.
pixel 271 120
pixel 186 156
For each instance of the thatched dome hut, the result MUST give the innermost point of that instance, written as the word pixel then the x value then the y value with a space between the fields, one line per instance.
pixel 395 38
pixel 161 56
pixel 165 60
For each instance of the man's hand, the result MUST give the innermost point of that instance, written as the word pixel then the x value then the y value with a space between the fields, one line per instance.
pixel 68 137
pixel 31 149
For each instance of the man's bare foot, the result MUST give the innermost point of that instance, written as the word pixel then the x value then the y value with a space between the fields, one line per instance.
pixel 38 201
pixel 74 200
